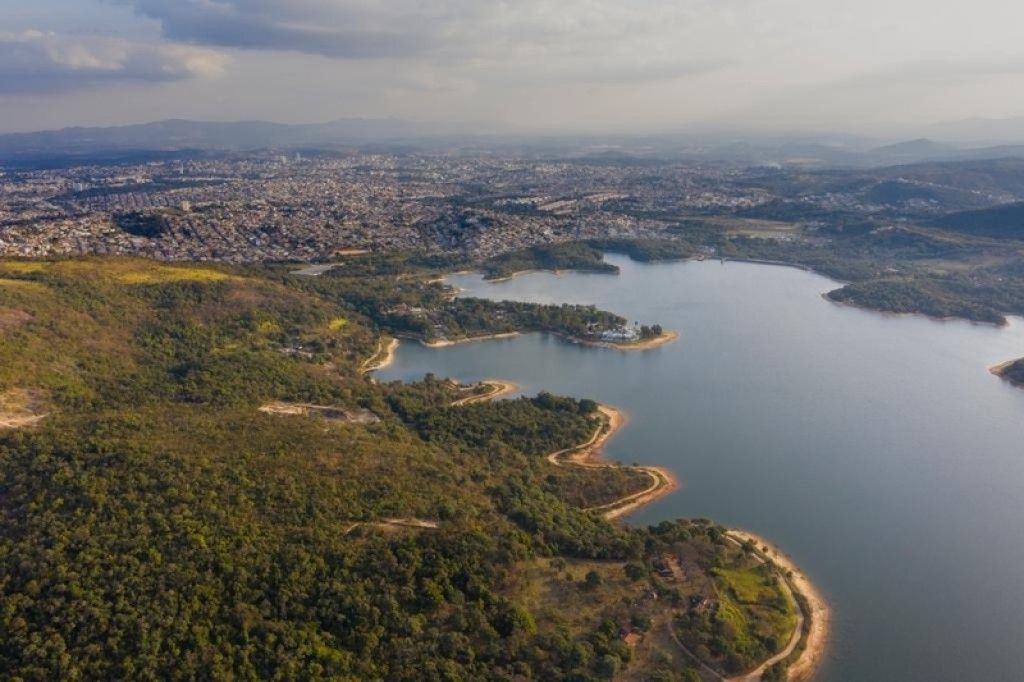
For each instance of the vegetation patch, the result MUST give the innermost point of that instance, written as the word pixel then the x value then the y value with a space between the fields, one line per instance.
pixel 158 274
pixel 22 284
pixel 742 616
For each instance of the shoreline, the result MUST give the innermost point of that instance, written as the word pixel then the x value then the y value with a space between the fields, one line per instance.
pixel 663 339
pixel 590 455
pixel 517 273
pixel 556 272
pixel 469 339
pixel 762 261
pixel 499 389
pixel 820 616
pixel 1001 368
pixel 384 356
pixel 663 482
pixel 893 313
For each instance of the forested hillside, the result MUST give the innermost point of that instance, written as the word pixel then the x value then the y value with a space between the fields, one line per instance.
pixel 156 524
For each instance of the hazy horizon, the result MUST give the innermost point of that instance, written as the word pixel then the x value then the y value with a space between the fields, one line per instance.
pixel 880 69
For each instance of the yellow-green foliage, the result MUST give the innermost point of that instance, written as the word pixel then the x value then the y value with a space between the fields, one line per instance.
pixel 754 603
pixel 161 274
pixel 268 327
pixel 748 585
pixel 337 323
pixel 125 270
pixel 24 266
pixel 21 284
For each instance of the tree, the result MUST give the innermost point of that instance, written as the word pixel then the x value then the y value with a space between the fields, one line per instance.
pixel 608 666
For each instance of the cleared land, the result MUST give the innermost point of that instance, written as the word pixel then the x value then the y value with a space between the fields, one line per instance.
pixel 20 408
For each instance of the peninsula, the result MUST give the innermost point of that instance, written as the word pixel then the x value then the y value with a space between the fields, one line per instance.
pixel 1012 371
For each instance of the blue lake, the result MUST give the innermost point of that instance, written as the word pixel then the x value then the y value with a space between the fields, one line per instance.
pixel 877 450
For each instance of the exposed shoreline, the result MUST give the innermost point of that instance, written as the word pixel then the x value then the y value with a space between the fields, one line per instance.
pixel 1000 369
pixel 498 388
pixel 820 617
pixel 556 272
pixel 662 339
pixel 517 273
pixel 384 356
pixel 469 339
pixel 589 455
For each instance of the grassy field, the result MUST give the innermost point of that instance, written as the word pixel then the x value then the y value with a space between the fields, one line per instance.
pixel 756 604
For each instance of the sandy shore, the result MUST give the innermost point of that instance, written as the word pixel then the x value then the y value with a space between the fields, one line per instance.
pixel 497 388
pixel 589 455
pixel 1003 366
pixel 468 339
pixel 647 344
pixel 384 356
pixel 519 273
pixel 662 340
pixel 663 482
pixel 820 616
pixel 658 341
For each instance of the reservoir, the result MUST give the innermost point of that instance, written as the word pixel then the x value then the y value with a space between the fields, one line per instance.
pixel 876 450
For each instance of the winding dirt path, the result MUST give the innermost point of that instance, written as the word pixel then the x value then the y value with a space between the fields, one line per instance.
pixel 794 640
pixel 421 524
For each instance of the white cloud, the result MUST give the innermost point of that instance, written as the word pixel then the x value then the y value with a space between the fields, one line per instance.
pixel 35 61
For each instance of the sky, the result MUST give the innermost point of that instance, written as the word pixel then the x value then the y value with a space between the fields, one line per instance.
pixel 529 65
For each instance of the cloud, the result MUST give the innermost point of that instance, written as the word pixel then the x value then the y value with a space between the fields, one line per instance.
pixel 36 62
pixel 617 41
pixel 351 29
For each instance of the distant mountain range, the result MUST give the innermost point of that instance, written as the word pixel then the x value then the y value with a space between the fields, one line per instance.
pixel 979 131
pixel 177 136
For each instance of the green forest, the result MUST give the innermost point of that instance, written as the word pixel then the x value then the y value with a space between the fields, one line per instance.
pixel 156 524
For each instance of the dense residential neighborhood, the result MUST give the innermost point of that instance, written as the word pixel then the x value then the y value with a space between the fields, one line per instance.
pixel 269 206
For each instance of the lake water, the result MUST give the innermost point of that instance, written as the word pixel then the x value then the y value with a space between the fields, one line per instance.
pixel 876 450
